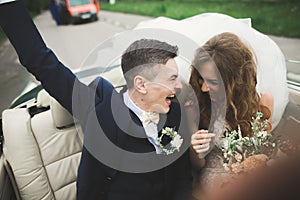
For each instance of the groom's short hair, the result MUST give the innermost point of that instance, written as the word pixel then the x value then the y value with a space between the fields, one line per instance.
pixel 141 57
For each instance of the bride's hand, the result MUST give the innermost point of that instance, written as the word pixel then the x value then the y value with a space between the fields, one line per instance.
pixel 201 141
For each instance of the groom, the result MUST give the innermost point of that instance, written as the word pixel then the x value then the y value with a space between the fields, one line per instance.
pixel 121 156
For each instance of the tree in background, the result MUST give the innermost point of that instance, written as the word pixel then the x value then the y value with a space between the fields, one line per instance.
pixel 36 6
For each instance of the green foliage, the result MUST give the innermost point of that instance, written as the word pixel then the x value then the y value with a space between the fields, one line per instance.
pixel 276 17
pixel 36 6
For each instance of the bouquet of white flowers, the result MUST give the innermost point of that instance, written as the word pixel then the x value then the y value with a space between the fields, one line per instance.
pixel 243 154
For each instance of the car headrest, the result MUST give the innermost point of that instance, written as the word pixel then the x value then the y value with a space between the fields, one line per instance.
pixel 43 99
pixel 61 117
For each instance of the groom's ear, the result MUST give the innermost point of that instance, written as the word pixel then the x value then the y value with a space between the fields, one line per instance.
pixel 139 84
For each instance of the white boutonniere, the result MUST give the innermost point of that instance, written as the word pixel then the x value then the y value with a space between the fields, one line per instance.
pixel 175 143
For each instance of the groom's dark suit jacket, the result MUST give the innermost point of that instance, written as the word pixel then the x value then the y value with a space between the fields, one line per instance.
pixel 113 135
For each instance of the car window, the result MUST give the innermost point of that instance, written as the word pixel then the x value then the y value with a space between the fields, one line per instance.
pixel 78 2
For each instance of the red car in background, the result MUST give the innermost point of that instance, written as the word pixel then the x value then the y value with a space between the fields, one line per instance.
pixel 74 11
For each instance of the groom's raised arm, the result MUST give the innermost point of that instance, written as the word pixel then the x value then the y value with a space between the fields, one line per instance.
pixel 33 53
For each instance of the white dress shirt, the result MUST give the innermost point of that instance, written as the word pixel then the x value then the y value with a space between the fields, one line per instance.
pixel 150 129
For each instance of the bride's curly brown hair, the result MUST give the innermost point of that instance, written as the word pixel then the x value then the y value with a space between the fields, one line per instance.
pixel 235 63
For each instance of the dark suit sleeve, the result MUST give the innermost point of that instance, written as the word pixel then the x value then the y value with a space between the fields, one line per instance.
pixel 39 60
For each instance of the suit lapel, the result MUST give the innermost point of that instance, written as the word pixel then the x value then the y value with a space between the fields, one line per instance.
pixel 128 123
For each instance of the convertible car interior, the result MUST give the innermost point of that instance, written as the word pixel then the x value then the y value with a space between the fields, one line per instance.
pixel 41 152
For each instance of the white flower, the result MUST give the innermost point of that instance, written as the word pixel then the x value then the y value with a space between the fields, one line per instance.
pixel 262 134
pixel 177 142
pixel 273 144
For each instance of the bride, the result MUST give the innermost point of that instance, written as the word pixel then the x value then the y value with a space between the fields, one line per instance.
pixel 224 79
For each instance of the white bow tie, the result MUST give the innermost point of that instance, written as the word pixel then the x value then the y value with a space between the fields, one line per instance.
pixel 150 117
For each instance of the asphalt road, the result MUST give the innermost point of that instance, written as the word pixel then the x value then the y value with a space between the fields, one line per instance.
pixel 73 43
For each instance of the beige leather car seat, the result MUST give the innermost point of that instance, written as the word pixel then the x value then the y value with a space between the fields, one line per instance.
pixel 43 151
pixel 7 189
